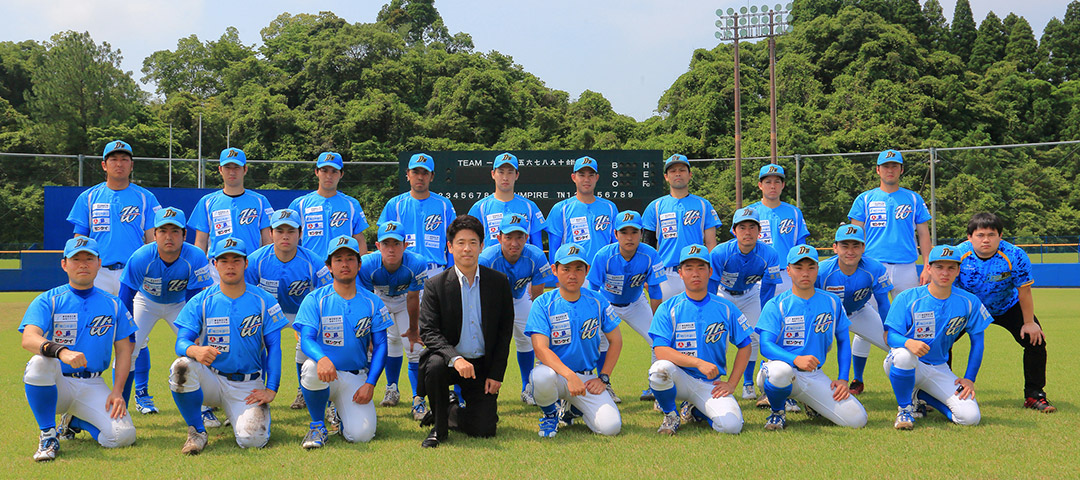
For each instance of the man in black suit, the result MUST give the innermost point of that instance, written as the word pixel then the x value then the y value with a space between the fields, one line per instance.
pixel 466 323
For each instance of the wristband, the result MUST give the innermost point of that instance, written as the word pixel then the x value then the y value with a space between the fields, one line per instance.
pixel 51 350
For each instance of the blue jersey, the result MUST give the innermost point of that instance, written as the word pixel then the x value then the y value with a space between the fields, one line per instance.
pixel 288 282
pixel 531 267
pixel 804 327
pixel 424 221
pixel 573 328
pixel 700 329
pixel 117 219
pixel 889 221
pixel 237 328
pixel 327 218
pixel 490 211
pixel 222 216
pixel 146 273
pixel 620 281
pixel 997 279
pixel 737 271
pixel 586 224
pixel 88 325
pixel 782 227
pixel 678 222
pixel 855 290
pixel 409 277
pixel 918 315
pixel 345 327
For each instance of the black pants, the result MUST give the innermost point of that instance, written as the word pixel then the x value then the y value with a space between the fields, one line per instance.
pixel 1034 355
pixel 480 414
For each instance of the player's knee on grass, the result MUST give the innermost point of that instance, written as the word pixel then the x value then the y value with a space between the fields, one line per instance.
pixel 182 375
pixel 360 429
pixel 661 375
pixel 118 433
pixel 309 376
pixel 608 421
pixel 543 380
pixel 965 412
pixel 851 413
pixel 901 358
pixel 727 423
pixel 778 374
pixel 41 371
pixel 253 427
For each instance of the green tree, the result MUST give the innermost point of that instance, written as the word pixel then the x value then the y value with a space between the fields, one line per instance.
pixel 936 36
pixel 990 44
pixel 1022 48
pixel 963 33
pixel 195 67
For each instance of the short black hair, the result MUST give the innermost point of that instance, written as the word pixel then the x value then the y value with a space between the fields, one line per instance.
pixel 985 220
pixel 464 222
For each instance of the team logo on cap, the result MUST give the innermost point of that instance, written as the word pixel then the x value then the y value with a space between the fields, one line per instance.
pixel 627 217
pixel 586 161
pixel 432 222
pixel 514 219
pixel 250 325
pixel 342 241
pixel 328 157
pixel 803 249
pixel 694 250
pixel 129 213
pixel 284 214
pixel 118 144
pixel 169 213
pixel 100 325
pixel 506 156
pixel 81 243
pixel 823 322
pixel 389 227
pixel 229 243
pixel 851 230
pixel 955 325
pixel 747 212
pixel 422 159
pixel 890 154
pixel 772 169
pixel 573 250
pixel 946 252
pixel 714 332
pixel 233 153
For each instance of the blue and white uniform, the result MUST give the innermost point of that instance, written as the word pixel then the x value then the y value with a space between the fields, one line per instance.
pixel 392 288
pixel 531 268
pixel 288 282
pixel 782 227
pixel 870 278
pixel 490 210
pixel 677 223
pixel 424 223
pixel 890 221
pixel 590 225
pixel 118 220
pixel 997 280
pixel 221 216
pixel 326 218
pixel 622 283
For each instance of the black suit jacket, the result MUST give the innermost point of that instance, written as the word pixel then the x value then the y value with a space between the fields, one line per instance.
pixel 440 319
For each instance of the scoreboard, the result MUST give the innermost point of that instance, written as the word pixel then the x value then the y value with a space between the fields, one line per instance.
pixel 630 178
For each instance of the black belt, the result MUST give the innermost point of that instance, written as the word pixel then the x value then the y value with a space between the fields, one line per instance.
pixel 237 377
pixel 620 305
pixel 354 372
pixel 115 266
pixel 584 372
pixel 735 293
pixel 83 374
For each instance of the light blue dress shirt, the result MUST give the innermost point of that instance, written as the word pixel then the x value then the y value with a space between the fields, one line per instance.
pixel 471 343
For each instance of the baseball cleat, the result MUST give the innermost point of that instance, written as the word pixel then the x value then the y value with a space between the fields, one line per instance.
pixel 526 396
pixel 333 418
pixel 811 413
pixel 144 403
pixel 454 398
pixel 316 436
pixel 567 413
pixel 65 430
pixel 762 401
pixel 195 443
pixel 647 395
pixel 48 446
pixel 776 421
pixel 612 392
pixel 1039 403
pixel 549 425
pixel 748 392
pixel 686 413
pixel 856 387
pixel 920 409
pixel 792 406
pixel 656 406
pixel 209 419
pixel 392 396
pixel 419 408
pixel 670 424
pixel 904 420
pixel 298 402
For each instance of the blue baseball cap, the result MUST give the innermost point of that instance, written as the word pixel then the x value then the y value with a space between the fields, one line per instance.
pixel 799 252
pixel 116 146
pixel 514 222
pixel 771 170
pixel 744 214
pixel 944 253
pixel 696 251
pixel 422 160
pixel 585 162
pixel 675 159
pixel 628 218
pixel 329 158
pixel 890 156
pixel 505 159
pixel 570 253
pixel 340 242
pixel 230 245
pixel 285 216
pixel 850 232
pixel 169 216
pixel 232 155
pixel 80 244
pixel 390 229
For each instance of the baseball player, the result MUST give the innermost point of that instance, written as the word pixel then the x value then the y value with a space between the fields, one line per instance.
pixel 527 268
pixel 745 272
pixel 236 363
pixel 156 282
pixel 288 272
pixel 338 323
pixel 892 216
pixel 854 277
pixel 676 220
pixel 922 325
pixel 328 212
pixel 689 336
pixel 397 276
pixel 620 271
pixel 491 209
pixel 797 329
pixel 584 219
pixel 423 214
pixel 72 331
pixel 233 211
pixel 565 325
pixel 999 273
pixel 782 224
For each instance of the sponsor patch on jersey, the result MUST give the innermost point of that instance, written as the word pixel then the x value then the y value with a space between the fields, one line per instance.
pixel 614 283
pixel 222 220
pixel 579 229
pixel 876 224
pixel 685 326
pixel 217 330
pixel 152 286
pixel 270 286
pixel 315 209
pixel 216 321
pixel 684 335
pixel 837 289
pixel 433 241
pixel 924 325
pixel 333 334
pixel 220 342
pixel 274 310
pixel 681 344
pixel 493 220
pixel 877 216
pixel 793 320
pixel 65 328
pixel 728 279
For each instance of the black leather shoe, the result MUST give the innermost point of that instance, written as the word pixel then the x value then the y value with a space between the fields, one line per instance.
pixel 432 440
pixel 428 420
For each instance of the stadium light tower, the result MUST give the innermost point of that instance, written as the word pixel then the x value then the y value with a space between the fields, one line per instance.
pixel 753 22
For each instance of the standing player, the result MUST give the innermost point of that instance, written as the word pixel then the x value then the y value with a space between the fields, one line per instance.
pixel 892 216
pixel 526 267
pixel 689 335
pixel 70 330
pixel 782 224
pixel 327 212
pixel 797 329
pixel 999 273
pixel 288 272
pixel 236 363
pixel 745 272
pixel 565 325
pixel 233 211
pixel 584 219
pixel 423 214
pixel 854 277
pixel 397 276
pixel 922 327
pixel 491 209
pixel 677 220
pixel 338 324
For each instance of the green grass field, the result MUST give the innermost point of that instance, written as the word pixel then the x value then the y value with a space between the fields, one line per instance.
pixel 1010 442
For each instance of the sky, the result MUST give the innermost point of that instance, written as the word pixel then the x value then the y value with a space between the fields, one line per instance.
pixel 631 51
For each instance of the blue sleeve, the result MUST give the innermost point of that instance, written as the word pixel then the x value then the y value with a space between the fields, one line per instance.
pixel 922 215
pixel 975 356
pixel 309 342
pixel 127 297
pixel 770 349
pixel 596 273
pixel 894 339
pixel 803 232
pixel 710 217
pixel 768 290
pixel 81 230
pixel 190 293
pixel 538 321
pixel 858 211
pixel 536 227
pixel 360 219
pixel 555 232
pixel 80 213
pixel 378 356
pixel 250 273
pixel 882 304
pixel 661 330
pixel 273 360
pixel 843 353
pixel 714 285
pixel 199 217
pixel 38 314
pixel 185 337
pixel 656 293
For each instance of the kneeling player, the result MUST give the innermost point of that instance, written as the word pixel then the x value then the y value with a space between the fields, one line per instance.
pixel 797 329
pixel 338 323
pixel 70 330
pixel 923 324
pixel 565 325
pixel 689 333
